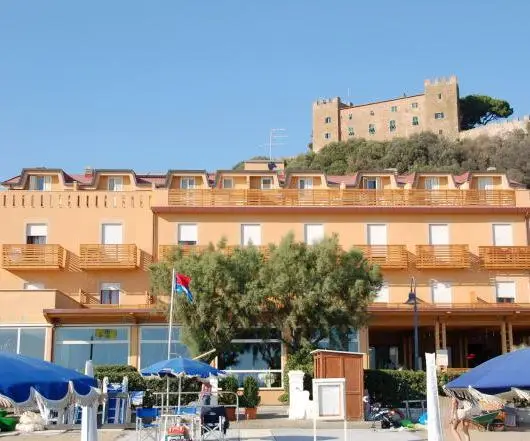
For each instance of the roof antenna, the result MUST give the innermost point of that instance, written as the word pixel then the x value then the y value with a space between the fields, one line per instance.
pixel 274 136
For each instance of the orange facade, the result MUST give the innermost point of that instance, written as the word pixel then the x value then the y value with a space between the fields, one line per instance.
pixel 76 250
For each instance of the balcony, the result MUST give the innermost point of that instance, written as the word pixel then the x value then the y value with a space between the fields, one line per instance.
pixel 164 251
pixel 340 198
pixel 135 300
pixel 32 257
pixel 505 257
pixel 385 256
pixel 442 256
pixel 101 257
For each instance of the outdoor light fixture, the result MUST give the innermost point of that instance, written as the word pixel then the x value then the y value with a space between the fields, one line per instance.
pixel 413 300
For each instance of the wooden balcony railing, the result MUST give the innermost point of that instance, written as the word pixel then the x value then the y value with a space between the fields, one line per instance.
pixel 340 198
pixel 93 300
pixel 505 257
pixel 478 306
pixel 386 256
pixel 94 256
pixel 442 256
pixel 32 256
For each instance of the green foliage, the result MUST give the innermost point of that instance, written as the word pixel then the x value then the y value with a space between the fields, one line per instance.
pixel 228 384
pixel 250 397
pixel 241 164
pixel 423 152
pixel 115 374
pixel 482 109
pixel 305 290
pixel 301 360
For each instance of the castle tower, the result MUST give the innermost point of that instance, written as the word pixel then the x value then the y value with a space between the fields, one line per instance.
pixel 441 106
pixel 326 122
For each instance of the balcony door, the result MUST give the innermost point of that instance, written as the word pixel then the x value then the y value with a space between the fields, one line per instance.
pixel 377 239
pixel 251 234
pixel 438 234
pixel 442 292
pixel 485 183
pixel 187 234
pixel 502 235
pixel 110 294
pixel 112 234
pixel 36 234
pixel 314 233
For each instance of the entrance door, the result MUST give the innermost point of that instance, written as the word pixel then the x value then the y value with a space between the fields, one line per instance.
pixel 112 234
pixel 439 234
pixel 502 235
pixel 441 292
pixel 485 183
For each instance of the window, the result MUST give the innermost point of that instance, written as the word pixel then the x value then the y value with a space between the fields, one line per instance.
pixel 438 234
pixel 112 234
pixel 187 183
pixel 442 292
pixel 40 183
pixel 314 233
pixel 392 125
pixel 502 235
pixel 36 234
pixel 153 344
pixel 187 234
pixel 266 183
pixel 371 183
pixel 505 291
pixel 351 132
pixel 376 234
pixel 414 105
pixel 228 183
pixel 251 234
pixel 305 183
pixel 440 132
pixel 432 183
pixel 109 294
pixel 439 115
pixel 372 113
pixel 415 121
pixel 254 354
pixel 340 341
pixel 33 286
pixel 74 346
pixel 371 129
pixel 439 96
pixel 115 183
pixel 393 109
pixel 328 119
pixel 350 116
pixel 327 135
pixel 485 183
pixel 383 295
pixel 23 341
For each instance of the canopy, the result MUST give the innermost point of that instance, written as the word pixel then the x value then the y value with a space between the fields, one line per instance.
pixel 498 375
pixel 25 382
pixel 181 367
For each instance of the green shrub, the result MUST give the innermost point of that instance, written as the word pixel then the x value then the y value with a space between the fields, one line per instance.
pixel 250 397
pixel 299 361
pixel 228 384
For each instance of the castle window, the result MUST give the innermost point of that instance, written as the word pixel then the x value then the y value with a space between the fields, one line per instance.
pixel 415 121
pixel 328 119
pixel 371 129
pixel 414 105
pixel 440 132
pixel 327 135
pixel 392 125
pixel 350 116
pixel 393 109
pixel 350 131
pixel 439 96
pixel 439 115
pixel 372 112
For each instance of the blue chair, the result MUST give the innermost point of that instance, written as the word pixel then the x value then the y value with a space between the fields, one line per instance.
pixel 147 424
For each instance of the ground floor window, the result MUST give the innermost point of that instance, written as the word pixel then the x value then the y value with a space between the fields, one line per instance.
pixel 105 345
pixel 24 341
pixel 341 341
pixel 257 355
pixel 153 344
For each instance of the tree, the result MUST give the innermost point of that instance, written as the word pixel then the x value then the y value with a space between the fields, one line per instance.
pixel 482 109
pixel 311 292
pixel 222 285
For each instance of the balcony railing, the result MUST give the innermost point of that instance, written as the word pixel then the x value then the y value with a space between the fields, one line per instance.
pixel 340 198
pixel 94 256
pixel 386 256
pixel 442 256
pixel 41 256
pixel 478 306
pixel 93 300
pixel 164 251
pixel 505 257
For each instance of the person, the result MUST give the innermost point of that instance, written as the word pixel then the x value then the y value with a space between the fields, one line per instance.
pixel 366 404
pixel 459 414
pixel 206 393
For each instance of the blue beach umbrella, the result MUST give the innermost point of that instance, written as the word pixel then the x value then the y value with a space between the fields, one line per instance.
pixel 496 376
pixel 26 382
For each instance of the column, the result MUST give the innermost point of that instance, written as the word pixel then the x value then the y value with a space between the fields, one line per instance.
pixel 466 364
pixel 48 345
pixel 510 336
pixel 503 338
pixel 444 335
pixel 436 335
pixel 364 347
pixel 134 345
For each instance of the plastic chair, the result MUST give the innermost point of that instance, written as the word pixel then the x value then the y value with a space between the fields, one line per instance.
pixel 147 424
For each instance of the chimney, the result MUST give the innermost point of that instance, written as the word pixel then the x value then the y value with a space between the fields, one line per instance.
pixel 491 169
pixel 89 172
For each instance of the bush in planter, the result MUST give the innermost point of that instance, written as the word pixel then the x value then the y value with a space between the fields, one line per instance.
pixel 250 397
pixel 228 384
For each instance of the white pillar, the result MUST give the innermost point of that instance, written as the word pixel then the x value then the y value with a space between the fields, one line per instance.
pixel 214 382
pixel 297 399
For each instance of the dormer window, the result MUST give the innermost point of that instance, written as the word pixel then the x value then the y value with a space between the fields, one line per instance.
pixel 187 183
pixel 305 183
pixel 40 183
pixel 115 183
pixel 228 183
pixel 432 183
pixel 266 183
pixel 371 183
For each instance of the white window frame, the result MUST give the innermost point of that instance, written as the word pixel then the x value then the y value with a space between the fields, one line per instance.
pixel 494 238
pixel 245 242
pixel 489 185
pixel 505 295
pixel 441 282
pixel 226 181
pixel 115 183
pixel 40 225
pixel 39 286
pixel 307 227
pixel 308 183
pixel 35 182
pixel 185 226
pixel 327 120
pixel 264 186
pixel 187 183
pixel 375 179
pixel 434 183
pixel 327 135
pixel 383 294
pixel 141 341
pixel 110 286
pixel 19 328
pixel 448 234
pixel 439 115
pixel 102 234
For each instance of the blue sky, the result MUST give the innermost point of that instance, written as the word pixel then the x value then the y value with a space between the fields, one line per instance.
pixel 161 84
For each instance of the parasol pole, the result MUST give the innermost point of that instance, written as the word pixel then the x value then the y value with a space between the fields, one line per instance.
pixel 180 390
pixel 170 331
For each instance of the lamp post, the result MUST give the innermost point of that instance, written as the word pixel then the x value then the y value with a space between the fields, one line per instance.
pixel 413 300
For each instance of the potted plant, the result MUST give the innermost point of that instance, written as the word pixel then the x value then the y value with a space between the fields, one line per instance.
pixel 250 398
pixel 229 384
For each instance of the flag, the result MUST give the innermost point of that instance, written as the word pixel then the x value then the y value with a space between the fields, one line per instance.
pixel 182 285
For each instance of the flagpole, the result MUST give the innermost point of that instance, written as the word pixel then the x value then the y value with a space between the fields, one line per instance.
pixel 171 313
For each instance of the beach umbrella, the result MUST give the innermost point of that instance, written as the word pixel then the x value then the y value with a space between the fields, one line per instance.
pixel 180 367
pixel 496 376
